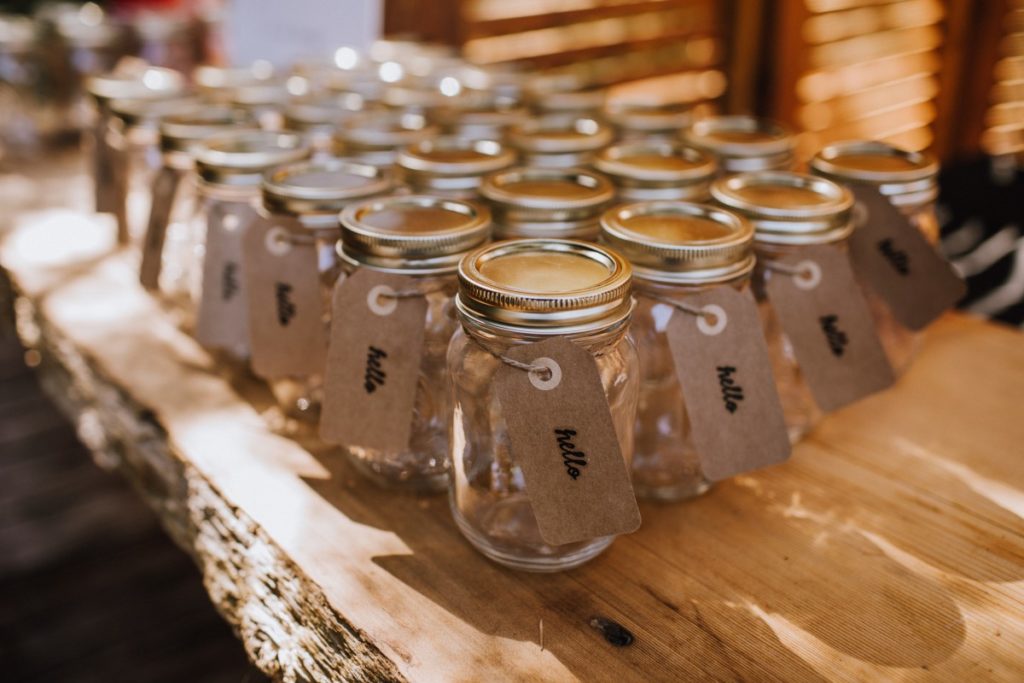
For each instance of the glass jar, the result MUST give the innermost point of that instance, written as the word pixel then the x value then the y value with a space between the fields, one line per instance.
pixel 676 249
pixel 650 170
pixel 559 141
pixel 135 136
pixel 514 293
pixel 789 212
pixel 230 169
pixel 532 201
pixel 318 117
pixel 135 82
pixel 265 101
pixel 452 167
pixel 481 116
pixel 171 218
pixel 638 121
pixel 376 138
pixel 909 181
pixel 21 86
pixel 316 192
pixel 423 238
pixel 743 143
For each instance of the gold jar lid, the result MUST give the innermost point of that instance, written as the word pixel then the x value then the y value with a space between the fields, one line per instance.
pixel 545 286
pixel 239 158
pixel 416 234
pixel 906 178
pixel 325 111
pixel 548 192
pixel 560 134
pixel 680 242
pixel 321 187
pixel 136 83
pixel 454 157
pixel 649 119
pixel 655 161
pixel 744 143
pixel 788 208
pixel 149 112
pixel 371 131
pixel 182 131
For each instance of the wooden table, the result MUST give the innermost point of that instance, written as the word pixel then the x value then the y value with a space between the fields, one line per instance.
pixel 891 546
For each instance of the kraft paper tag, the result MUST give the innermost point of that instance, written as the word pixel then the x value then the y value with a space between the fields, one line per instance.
pixel 165 187
pixel 223 316
pixel 561 435
pixel 725 372
pixel 287 331
pixel 830 327
pixel 373 361
pixel 898 263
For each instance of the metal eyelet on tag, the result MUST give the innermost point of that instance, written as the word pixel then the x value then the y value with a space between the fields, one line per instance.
pixel 809 276
pixel 229 222
pixel 381 300
pixel 715 328
pixel 554 374
pixel 278 241
pixel 860 214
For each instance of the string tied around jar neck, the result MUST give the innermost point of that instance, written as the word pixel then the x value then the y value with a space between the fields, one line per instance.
pixel 806 274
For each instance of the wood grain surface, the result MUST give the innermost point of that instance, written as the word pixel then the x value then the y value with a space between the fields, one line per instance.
pixel 890 547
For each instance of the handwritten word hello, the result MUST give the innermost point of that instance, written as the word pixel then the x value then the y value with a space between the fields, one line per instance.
pixel 896 257
pixel 571 458
pixel 375 374
pixel 229 281
pixel 732 393
pixel 285 307
pixel 837 339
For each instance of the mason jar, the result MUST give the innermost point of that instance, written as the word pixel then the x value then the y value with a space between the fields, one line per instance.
pixel 319 116
pixel 677 249
pixel 452 167
pixel 375 138
pixel 265 101
pixel 744 144
pixel 315 192
pixel 481 116
pixel 530 201
pixel 650 170
pixel 909 181
pixel 559 141
pixel 173 248
pixel 134 134
pixel 107 167
pixel 638 121
pixel 790 212
pixel 230 169
pixel 514 293
pixel 422 238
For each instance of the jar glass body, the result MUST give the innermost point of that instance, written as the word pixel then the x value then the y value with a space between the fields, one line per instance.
pixel 488 493
pixel 666 466
pixel 423 466
pixel 182 255
pixel 21 87
pixel 301 397
pixel 799 408
pixel 142 160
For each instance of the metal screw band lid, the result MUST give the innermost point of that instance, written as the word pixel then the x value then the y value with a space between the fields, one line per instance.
pixel 655 161
pixel 788 208
pixel 321 187
pixel 239 158
pixel 136 83
pixel 560 134
pixel 412 233
pixel 383 131
pixel 450 156
pixel 744 143
pixel 906 178
pixel 680 241
pixel 545 286
pixel 182 131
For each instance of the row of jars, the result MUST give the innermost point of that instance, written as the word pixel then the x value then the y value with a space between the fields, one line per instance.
pixel 570 263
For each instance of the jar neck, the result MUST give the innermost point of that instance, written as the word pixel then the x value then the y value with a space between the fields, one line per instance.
pixel 643 287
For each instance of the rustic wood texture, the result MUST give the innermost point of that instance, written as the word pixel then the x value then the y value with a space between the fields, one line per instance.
pixel 891 546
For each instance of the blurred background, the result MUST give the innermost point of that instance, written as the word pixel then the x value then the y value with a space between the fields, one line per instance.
pixel 89 586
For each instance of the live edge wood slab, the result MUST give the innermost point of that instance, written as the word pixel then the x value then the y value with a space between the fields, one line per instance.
pixel 891 546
